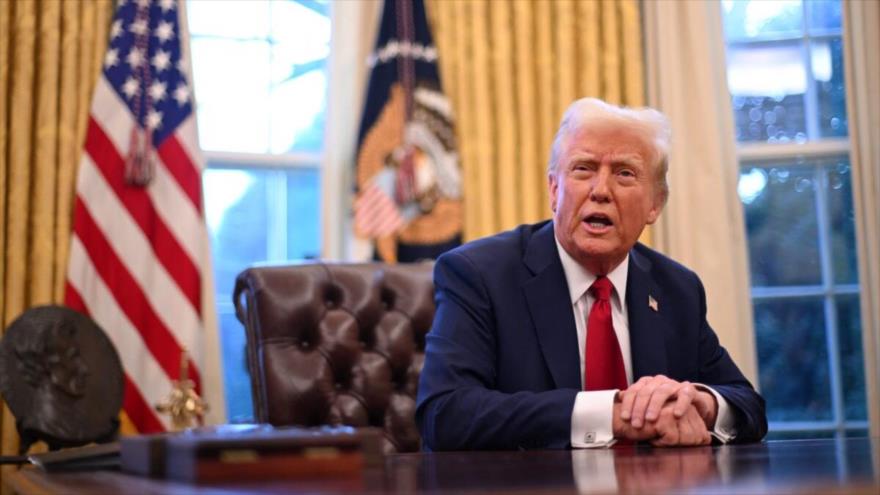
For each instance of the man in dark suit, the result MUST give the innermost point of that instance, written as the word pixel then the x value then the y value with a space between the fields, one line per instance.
pixel 568 333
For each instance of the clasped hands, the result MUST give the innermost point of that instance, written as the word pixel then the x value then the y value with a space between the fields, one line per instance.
pixel 665 412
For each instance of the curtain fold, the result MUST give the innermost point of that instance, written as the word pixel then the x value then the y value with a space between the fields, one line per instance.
pixel 50 55
pixel 510 69
pixel 862 37
pixel 702 225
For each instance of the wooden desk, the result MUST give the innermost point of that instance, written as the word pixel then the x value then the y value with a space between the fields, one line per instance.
pixel 803 466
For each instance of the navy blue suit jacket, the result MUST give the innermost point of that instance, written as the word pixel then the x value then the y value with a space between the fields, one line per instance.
pixel 502 366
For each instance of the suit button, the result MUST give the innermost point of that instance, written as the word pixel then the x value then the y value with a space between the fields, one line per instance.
pixel 590 437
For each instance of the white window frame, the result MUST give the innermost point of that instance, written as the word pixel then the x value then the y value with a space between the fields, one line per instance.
pixel 755 154
pixel 277 217
pixel 766 156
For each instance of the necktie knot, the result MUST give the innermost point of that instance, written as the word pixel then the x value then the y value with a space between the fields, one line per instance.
pixel 601 289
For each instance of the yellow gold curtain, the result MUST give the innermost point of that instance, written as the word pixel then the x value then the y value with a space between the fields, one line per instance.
pixel 50 57
pixel 511 68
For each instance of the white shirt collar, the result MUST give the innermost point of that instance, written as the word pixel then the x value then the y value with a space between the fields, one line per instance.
pixel 580 279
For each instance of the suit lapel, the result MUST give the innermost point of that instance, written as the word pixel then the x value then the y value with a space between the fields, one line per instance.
pixel 550 307
pixel 647 329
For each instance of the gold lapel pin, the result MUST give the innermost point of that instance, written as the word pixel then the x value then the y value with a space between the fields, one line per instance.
pixel 652 303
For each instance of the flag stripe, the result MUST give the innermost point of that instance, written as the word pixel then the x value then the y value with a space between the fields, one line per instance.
pixel 172 152
pixel 73 300
pixel 145 421
pixel 381 221
pixel 172 204
pixel 136 200
pixel 130 244
pixel 95 299
pixel 139 411
pixel 181 167
pixel 187 136
pixel 180 216
pixel 375 213
pixel 127 293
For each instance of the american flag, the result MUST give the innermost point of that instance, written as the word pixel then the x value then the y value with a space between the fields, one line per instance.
pixel 375 213
pixel 139 246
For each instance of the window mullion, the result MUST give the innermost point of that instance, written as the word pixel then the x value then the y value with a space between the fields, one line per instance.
pixel 221 159
pixel 276 217
pixel 831 337
pixel 783 151
pixel 811 98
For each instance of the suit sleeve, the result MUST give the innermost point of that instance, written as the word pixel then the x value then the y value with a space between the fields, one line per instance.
pixel 718 370
pixel 459 406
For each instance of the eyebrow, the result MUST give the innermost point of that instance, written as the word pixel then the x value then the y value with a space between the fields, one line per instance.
pixel 582 157
pixel 631 159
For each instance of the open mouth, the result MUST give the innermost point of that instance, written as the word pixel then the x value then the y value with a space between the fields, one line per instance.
pixel 598 221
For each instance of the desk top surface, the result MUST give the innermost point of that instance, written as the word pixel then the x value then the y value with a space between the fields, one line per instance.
pixel 794 466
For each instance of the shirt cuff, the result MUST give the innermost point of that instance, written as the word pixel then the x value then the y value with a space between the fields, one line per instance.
pixel 591 419
pixel 725 422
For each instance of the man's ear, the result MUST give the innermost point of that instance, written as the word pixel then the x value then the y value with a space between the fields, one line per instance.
pixel 656 209
pixel 553 186
pixel 654 214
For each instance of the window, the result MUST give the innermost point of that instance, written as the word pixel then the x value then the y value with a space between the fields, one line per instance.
pixel 260 83
pixel 785 73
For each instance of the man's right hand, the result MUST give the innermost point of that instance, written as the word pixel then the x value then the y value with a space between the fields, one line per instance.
pixel 667 430
pixel 687 430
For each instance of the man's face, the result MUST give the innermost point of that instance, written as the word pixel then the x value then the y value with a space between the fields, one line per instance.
pixel 603 193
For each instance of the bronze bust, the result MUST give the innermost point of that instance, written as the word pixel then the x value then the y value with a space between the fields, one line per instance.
pixel 61 377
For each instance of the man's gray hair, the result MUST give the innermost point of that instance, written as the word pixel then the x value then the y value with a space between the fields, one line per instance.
pixel 651 124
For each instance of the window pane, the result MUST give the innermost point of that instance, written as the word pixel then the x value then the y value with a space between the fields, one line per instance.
pixel 238 221
pixel 256 215
pixel 242 19
pixel 299 59
pixel 232 92
pixel 748 19
pixel 824 15
pixel 296 23
pixel 841 215
pixel 852 365
pixel 301 126
pixel 260 88
pixel 768 84
pixel 239 404
pixel 793 359
pixel 780 213
pixel 827 62
pixel 303 220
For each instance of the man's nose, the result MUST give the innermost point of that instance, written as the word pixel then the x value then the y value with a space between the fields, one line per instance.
pixel 601 185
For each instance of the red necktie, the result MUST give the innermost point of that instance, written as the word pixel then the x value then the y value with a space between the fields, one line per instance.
pixel 604 367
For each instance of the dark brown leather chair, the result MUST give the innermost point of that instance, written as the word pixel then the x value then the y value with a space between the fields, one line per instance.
pixel 331 344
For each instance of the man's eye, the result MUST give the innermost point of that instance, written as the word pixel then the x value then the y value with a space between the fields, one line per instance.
pixel 627 173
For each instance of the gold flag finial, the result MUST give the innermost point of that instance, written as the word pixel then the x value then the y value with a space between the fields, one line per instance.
pixel 184 405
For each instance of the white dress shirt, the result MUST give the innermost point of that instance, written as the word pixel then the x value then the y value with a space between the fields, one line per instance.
pixel 593 410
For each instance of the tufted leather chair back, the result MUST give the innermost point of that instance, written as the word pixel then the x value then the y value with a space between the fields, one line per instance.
pixel 331 344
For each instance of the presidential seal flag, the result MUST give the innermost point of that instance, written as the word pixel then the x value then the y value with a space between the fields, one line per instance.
pixel 408 176
pixel 139 249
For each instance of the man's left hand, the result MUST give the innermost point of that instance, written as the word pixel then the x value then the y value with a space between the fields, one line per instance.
pixel 644 399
